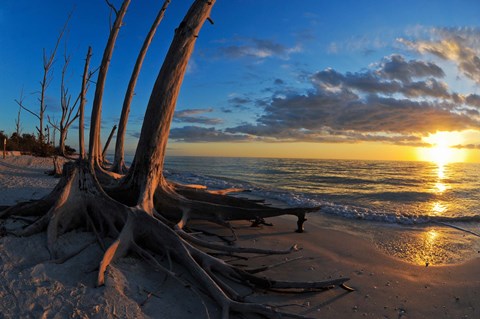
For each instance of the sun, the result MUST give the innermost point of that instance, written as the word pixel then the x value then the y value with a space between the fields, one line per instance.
pixel 442 150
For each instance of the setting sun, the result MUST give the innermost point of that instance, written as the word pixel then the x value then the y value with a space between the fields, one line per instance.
pixel 443 150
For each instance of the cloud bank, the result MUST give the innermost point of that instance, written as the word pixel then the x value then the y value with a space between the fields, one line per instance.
pixel 396 100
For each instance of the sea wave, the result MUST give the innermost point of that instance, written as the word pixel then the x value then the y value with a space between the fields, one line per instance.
pixel 296 199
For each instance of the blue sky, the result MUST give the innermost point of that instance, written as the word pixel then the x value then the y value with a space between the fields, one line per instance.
pixel 272 72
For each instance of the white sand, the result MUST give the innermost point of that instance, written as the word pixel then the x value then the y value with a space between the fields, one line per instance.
pixel 23 178
pixel 33 287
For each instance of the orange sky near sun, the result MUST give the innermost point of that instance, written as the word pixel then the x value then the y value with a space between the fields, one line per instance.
pixel 441 149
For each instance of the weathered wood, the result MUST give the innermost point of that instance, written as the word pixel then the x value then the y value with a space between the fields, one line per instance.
pixel 81 108
pixel 119 159
pixel 145 175
pixel 96 119
pixel 107 143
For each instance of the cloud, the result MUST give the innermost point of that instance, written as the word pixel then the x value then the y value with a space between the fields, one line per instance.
pixel 466 146
pixel 202 134
pixel 192 116
pixel 430 87
pixel 460 45
pixel 395 101
pixel 323 113
pixel 365 44
pixel 396 67
pixel 239 101
pixel 393 75
pixel 258 48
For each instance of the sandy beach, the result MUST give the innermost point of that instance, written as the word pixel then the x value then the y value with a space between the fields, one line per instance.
pixel 32 286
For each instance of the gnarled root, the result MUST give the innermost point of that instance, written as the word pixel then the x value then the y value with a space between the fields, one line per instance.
pixel 81 202
pixel 149 237
pixel 220 209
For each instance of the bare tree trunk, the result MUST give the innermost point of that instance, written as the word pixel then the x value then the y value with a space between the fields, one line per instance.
pixel 109 139
pixel 47 65
pixel 48 62
pixel 145 173
pixel 95 124
pixel 81 108
pixel 119 160
pixel 67 117
pixel 17 122
pixel 61 145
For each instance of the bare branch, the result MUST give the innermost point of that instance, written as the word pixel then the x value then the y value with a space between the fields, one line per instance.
pixel 23 107
pixel 112 7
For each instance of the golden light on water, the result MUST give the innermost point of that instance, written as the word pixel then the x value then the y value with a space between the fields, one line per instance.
pixel 442 151
pixel 438 208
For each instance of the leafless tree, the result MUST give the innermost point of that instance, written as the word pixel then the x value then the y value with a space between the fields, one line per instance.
pixel 145 213
pixel 17 120
pixel 107 143
pixel 70 112
pixel 95 153
pixel 48 61
pixel 81 108
pixel 119 160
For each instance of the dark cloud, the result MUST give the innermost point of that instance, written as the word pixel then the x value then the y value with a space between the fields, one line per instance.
pixel 467 146
pixel 192 116
pixel 367 82
pixel 396 67
pixel 398 102
pixel 343 112
pixel 240 102
pixel 430 87
pixel 473 99
pixel 393 75
pixel 237 100
pixel 278 82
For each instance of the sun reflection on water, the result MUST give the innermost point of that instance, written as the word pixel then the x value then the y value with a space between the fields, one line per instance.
pixel 438 208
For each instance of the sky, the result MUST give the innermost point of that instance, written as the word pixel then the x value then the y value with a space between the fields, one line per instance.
pixel 383 80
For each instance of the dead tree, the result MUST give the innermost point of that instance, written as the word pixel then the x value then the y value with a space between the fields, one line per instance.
pixel 107 143
pixel 81 108
pixel 55 125
pixel 119 160
pixel 69 112
pixel 145 214
pixel 94 145
pixel 17 122
pixel 48 61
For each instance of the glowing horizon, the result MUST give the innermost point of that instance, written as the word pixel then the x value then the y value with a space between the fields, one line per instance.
pixel 443 149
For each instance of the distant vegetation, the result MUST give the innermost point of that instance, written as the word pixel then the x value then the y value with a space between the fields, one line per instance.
pixel 29 144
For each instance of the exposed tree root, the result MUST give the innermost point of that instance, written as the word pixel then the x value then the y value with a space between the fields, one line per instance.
pixel 57 168
pixel 202 205
pixel 81 202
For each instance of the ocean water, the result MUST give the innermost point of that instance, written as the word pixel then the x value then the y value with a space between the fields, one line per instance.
pixel 383 191
pixel 419 212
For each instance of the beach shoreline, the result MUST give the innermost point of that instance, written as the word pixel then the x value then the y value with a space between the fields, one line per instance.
pixel 386 286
